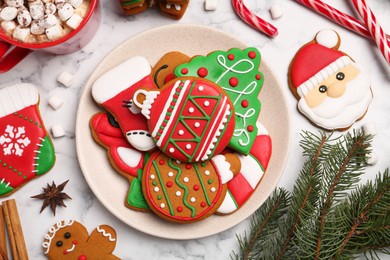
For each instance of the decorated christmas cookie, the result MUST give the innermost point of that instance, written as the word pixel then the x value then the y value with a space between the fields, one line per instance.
pixel 332 89
pixel 190 120
pixel 26 150
pixel 131 7
pixel 253 167
pixel 173 8
pixel 69 239
pixel 114 91
pixel 124 158
pixel 237 72
pixel 187 192
pixel 164 69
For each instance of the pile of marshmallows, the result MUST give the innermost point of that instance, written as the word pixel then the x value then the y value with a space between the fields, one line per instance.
pixel 40 18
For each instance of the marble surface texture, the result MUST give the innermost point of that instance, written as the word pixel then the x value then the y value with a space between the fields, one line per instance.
pixel 297 26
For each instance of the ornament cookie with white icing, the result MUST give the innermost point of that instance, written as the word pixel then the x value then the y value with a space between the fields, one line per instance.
pixel 187 192
pixel 114 91
pixel 68 239
pixel 26 150
pixel 333 90
pixel 190 120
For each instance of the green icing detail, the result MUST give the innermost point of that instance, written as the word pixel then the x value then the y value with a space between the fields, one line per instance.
pixel 232 197
pixel 221 69
pixel 135 197
pixel 26 118
pixel 25 177
pixel 159 197
pixel 46 156
pixel 131 2
pixel 10 167
pixel 20 116
pixel 20 173
pixel 4 164
pixel 203 164
pixel 202 184
pixel 4 189
pixel 184 187
pixel 163 188
pixel 154 183
pixel 210 181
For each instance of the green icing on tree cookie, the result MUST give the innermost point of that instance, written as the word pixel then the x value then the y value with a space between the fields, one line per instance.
pixel 135 197
pixel 46 156
pixel 237 72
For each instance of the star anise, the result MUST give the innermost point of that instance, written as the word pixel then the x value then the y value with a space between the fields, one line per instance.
pixel 52 195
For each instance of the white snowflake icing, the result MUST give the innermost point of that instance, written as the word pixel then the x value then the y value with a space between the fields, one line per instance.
pixel 14 140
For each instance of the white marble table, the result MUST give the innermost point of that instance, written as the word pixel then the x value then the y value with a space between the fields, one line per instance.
pixel 296 27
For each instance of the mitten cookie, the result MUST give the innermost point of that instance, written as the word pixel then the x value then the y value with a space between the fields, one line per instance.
pixel 237 72
pixel 26 150
pixel 69 239
pixel 114 91
pixel 190 120
pixel 187 192
pixel 253 167
pixel 332 89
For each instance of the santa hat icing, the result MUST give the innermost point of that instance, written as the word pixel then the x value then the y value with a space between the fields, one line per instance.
pixel 317 61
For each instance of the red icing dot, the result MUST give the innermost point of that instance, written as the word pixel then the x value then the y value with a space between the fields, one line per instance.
pixel 82 257
pixel 203 204
pixel 157 137
pixel 184 71
pixel 196 187
pixel 233 81
pixel 202 72
pixel 244 103
pixel 188 166
pixel 161 162
pixel 164 124
pixel 230 57
pixel 169 184
pixel 170 110
pixel 179 209
pixel 252 54
pixel 258 76
pixel 175 96
pixel 250 128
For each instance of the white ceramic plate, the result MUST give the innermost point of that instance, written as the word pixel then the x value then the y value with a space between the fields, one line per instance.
pixel 111 188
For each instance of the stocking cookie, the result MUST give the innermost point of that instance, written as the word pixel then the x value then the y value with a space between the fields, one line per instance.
pixel 237 72
pixel 190 120
pixel 187 192
pixel 26 150
pixel 114 91
pixel 333 91
pixel 253 167
pixel 69 239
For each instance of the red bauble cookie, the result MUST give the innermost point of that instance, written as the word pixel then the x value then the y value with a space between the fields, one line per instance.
pixel 191 119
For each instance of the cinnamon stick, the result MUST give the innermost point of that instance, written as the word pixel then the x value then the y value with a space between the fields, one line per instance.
pixel 15 232
pixel 3 243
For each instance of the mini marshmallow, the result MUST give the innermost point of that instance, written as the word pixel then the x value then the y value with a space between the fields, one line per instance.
pixel 36 29
pixel 21 33
pixel 276 11
pixel 57 131
pixel 14 3
pixel 50 8
pixel 8 13
pixel 76 3
pixel 48 21
pixel 66 79
pixel 24 18
pixel 74 21
pixel 47 1
pixel 55 102
pixel 370 129
pixel 8 26
pixel 55 32
pixel 65 11
pixel 372 158
pixel 37 10
pixel 210 5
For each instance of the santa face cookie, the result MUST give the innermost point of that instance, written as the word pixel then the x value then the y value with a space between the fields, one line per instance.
pixel 26 150
pixel 190 120
pixel 69 239
pixel 332 89
pixel 187 192
pixel 237 72
pixel 114 91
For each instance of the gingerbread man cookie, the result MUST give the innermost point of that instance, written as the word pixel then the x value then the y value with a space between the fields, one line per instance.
pixel 69 239
pixel 333 91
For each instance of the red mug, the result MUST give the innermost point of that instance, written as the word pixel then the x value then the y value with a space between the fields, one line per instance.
pixel 13 51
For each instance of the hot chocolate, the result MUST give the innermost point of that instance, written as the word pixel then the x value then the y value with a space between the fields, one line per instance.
pixel 39 21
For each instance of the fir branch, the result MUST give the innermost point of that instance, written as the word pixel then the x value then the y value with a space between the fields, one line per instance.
pixel 264 223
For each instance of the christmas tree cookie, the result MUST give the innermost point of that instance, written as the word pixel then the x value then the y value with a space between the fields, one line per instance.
pixel 237 72
pixel 26 150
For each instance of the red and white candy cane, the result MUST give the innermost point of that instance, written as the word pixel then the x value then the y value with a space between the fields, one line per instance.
pixel 373 27
pixel 253 20
pixel 339 17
